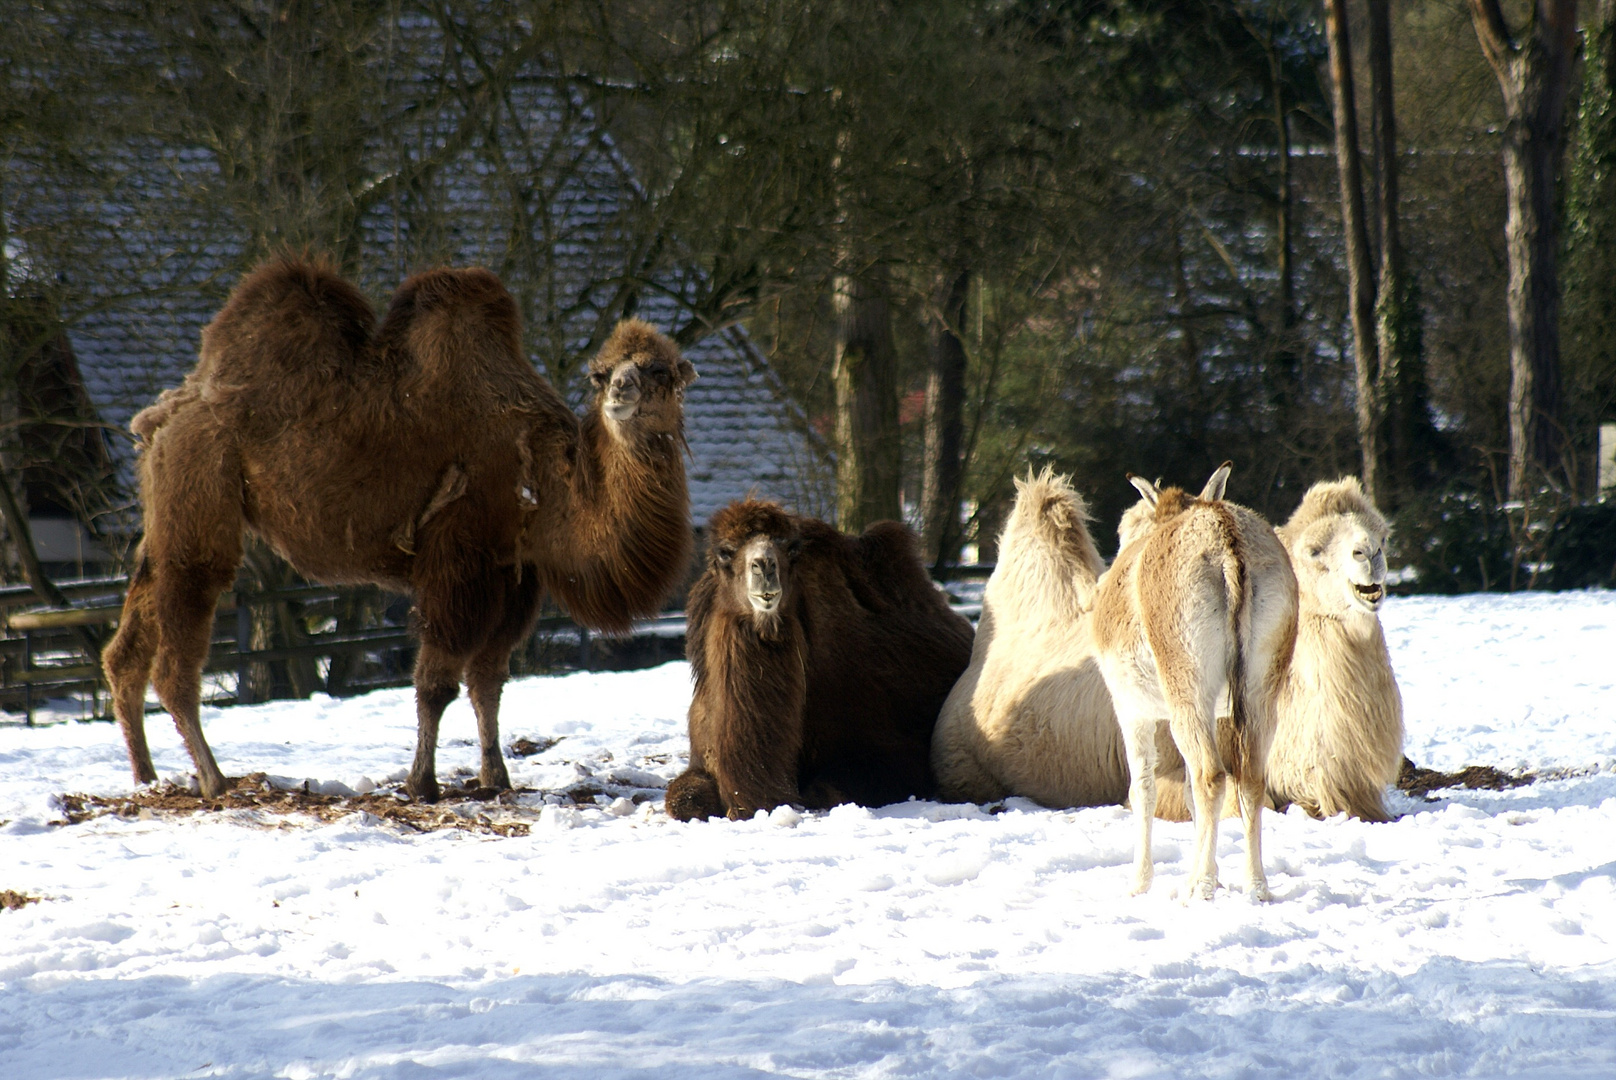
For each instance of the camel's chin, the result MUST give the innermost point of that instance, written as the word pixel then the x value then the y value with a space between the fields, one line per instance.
pixel 621 413
pixel 763 604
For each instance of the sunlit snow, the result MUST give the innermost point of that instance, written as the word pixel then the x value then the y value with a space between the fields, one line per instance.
pixel 1475 936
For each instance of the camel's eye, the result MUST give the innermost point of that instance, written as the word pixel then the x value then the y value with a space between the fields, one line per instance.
pixel 725 554
pixel 794 547
pixel 1315 552
pixel 658 371
pixel 600 379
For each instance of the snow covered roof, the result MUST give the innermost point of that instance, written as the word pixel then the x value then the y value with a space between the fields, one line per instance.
pixel 136 328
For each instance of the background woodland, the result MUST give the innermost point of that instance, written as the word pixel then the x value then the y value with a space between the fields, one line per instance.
pixel 970 236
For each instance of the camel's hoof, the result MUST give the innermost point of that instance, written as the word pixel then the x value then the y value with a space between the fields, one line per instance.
pixel 423 790
pixel 212 787
pixel 1203 889
pixel 1141 885
pixel 498 781
pixel 1259 892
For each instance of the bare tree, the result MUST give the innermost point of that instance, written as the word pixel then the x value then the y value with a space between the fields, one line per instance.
pixel 1534 66
pixel 944 466
pixel 1360 269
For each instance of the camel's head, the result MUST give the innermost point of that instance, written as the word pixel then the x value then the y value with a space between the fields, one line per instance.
pixel 1337 544
pixel 753 546
pixel 640 379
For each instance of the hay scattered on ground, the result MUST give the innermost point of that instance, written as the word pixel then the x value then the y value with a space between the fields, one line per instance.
pixel 1421 782
pixel 11 899
pixel 469 808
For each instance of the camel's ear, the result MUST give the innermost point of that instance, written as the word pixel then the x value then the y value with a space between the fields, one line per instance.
pixel 1219 480
pixel 686 372
pixel 1147 490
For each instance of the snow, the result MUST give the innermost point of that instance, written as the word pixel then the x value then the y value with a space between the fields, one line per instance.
pixel 1475 936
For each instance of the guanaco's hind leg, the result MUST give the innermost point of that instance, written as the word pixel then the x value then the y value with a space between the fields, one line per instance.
pixel 127 661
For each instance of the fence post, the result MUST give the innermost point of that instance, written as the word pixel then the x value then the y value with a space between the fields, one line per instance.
pixel 27 666
pixel 243 647
pixel 583 647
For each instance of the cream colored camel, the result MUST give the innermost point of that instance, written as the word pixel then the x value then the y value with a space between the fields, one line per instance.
pixel 1339 740
pixel 1340 737
pixel 1031 716
pixel 1198 612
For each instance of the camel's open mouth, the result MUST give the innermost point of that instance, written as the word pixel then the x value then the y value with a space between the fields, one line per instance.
pixel 1370 594
pixel 764 601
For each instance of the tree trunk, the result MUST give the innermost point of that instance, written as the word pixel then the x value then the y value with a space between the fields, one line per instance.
pixel 1534 71
pixel 1408 434
pixel 868 452
pixel 1360 271
pixel 1590 285
pixel 945 423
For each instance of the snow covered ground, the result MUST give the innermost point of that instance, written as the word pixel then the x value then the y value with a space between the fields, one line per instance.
pixel 1476 936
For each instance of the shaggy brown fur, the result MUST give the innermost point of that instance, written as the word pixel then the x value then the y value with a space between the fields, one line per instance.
pixel 425 456
pixel 821 661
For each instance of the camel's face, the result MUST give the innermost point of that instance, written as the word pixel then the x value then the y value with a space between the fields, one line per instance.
pixel 1341 561
pixel 758 570
pixel 648 386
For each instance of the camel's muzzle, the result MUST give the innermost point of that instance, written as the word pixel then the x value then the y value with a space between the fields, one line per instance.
pixel 1371 594
pixel 763 583
pixel 623 394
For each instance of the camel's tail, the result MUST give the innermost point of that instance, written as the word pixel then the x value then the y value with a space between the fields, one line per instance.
pixel 1237 603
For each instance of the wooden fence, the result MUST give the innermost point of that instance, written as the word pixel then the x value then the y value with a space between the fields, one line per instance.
pixel 287 642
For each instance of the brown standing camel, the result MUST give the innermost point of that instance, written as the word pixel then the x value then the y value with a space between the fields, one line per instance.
pixel 425 456
pixel 821 661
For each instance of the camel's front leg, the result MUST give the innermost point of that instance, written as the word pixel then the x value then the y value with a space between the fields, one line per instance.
pixel 437 682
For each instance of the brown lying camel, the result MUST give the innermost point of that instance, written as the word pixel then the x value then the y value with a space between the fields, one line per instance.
pixel 820 661
pixel 1198 610
pixel 425 456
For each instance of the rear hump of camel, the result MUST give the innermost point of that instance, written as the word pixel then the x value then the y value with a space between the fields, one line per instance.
pixel 423 454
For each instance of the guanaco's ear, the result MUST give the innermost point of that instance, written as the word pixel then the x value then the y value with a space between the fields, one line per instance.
pixel 1219 480
pixel 1147 490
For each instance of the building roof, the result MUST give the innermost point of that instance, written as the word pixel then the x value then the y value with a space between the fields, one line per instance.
pixel 153 281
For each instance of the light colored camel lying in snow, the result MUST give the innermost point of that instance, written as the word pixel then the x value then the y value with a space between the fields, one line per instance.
pixel 1339 742
pixel 1031 716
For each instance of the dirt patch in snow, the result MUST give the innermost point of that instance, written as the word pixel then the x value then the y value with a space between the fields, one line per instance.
pixel 469 808
pixel 11 899
pixel 1421 782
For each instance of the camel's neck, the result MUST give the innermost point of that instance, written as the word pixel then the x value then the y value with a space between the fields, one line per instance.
pixel 1343 664
pixel 626 541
